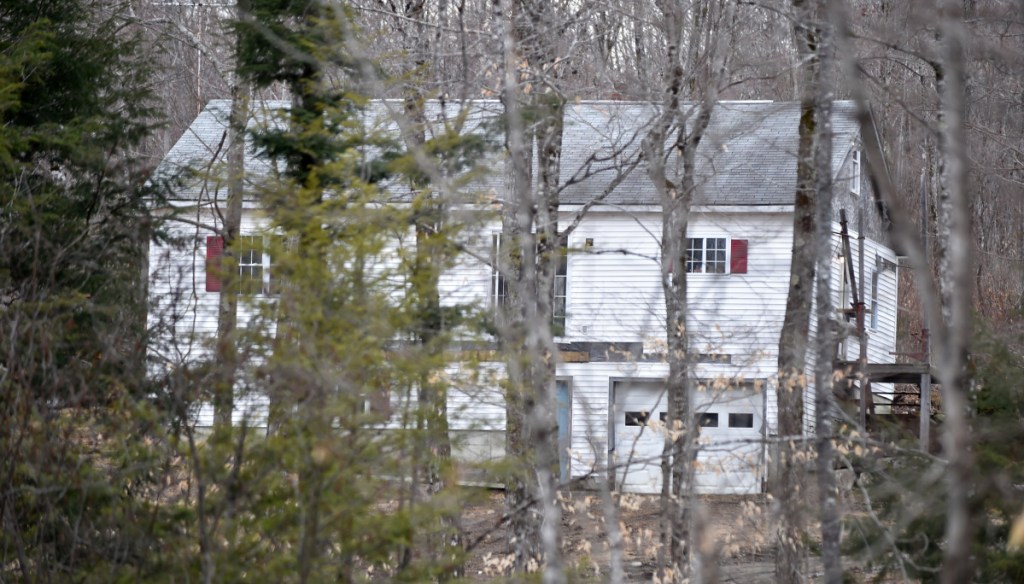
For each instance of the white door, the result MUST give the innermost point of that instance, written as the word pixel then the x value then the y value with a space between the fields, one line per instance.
pixel 729 460
pixel 638 446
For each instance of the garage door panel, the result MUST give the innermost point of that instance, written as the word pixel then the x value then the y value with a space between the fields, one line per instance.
pixel 638 446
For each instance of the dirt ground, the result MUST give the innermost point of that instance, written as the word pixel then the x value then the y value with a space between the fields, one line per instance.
pixel 738 527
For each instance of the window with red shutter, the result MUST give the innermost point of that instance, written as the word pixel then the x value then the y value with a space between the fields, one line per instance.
pixel 738 257
pixel 214 253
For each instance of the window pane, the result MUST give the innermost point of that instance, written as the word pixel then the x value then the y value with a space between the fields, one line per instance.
pixel 250 264
pixel 715 256
pixel 251 279
pixel 558 311
pixel 499 287
pixel 709 420
pixel 637 418
pixel 741 420
pixel 694 255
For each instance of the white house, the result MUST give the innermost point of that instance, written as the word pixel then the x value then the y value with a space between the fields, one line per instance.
pixel 612 368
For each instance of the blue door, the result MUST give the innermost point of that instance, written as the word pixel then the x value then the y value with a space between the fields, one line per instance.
pixel 564 435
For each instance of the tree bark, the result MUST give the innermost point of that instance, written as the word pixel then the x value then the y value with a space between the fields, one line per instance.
pixel 824 409
pixel 694 66
pixel 227 307
pixel 787 486
pixel 955 288
pixel 434 455
pixel 531 243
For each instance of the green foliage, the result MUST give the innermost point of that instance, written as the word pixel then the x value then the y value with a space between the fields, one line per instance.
pixel 78 500
pixel 73 108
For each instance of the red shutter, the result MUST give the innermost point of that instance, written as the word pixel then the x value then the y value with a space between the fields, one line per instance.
pixel 214 251
pixel 738 263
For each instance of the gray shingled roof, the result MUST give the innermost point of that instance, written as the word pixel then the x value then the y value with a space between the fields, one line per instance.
pixel 748 156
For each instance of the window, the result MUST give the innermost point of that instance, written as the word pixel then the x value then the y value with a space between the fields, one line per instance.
pixel 874 296
pixel 637 418
pixel 499 286
pixel 253 275
pixel 711 255
pixel 855 172
pixel 706 419
pixel 253 264
pixel 741 420
pixel 709 420
pixel 705 255
pixel 559 296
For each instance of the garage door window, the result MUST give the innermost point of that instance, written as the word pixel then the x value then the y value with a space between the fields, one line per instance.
pixel 637 418
pixel 709 420
pixel 741 420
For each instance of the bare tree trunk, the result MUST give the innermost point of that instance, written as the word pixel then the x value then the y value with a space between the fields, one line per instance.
pixel 522 523
pixel 787 486
pixel 227 308
pixel 954 239
pixel 824 409
pixel 530 236
pixel 949 313
pixel 694 66
pixel 673 557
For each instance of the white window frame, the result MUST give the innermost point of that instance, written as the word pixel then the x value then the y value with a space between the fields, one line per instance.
pixel 726 258
pixel 247 264
pixel 560 312
pixel 499 285
pixel 855 171
pixel 874 295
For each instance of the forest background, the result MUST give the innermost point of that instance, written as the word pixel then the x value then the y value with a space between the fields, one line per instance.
pixel 104 476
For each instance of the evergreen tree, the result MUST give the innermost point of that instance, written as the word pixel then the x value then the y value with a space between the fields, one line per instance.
pixel 74 109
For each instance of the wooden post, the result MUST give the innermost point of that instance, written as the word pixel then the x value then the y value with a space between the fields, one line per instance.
pixel 926 377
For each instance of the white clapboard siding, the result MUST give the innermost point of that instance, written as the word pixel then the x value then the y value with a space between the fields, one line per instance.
pixel 590 387
pixel 881 340
pixel 614 286
pixel 468 282
pixel 182 315
pixel 615 292
pixel 475 401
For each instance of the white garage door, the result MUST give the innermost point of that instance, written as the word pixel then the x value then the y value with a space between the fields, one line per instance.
pixel 730 459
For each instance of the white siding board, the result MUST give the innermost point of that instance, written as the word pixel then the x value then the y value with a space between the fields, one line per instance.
pixel 881 341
